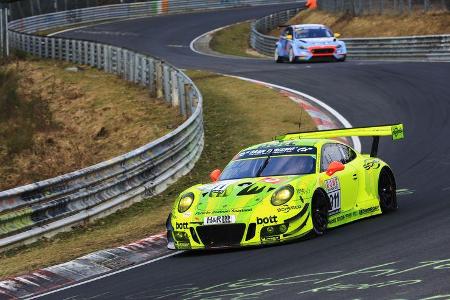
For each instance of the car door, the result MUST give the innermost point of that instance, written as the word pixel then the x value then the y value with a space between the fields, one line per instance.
pixel 342 186
pixel 285 41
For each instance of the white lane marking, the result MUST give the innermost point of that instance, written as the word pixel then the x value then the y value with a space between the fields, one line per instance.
pixel 356 141
pixel 106 275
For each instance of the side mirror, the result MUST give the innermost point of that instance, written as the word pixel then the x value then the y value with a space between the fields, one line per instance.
pixel 335 166
pixel 214 175
pixel 337 35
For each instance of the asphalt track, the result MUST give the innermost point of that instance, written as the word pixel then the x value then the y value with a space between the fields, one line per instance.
pixel 404 255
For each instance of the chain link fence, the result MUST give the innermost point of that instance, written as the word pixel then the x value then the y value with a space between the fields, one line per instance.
pixel 359 7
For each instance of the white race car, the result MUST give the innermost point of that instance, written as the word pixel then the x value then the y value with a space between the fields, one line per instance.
pixel 308 42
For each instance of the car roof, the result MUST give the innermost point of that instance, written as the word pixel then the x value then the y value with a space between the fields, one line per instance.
pixel 298 26
pixel 287 143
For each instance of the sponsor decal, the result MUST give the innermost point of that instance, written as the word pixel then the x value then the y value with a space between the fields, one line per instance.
pixel 182 225
pixel 266 220
pixel 241 210
pixel 251 190
pixel 222 185
pixel 371 164
pixel 368 210
pixel 397 132
pixel 273 238
pixel 287 209
pixel 183 245
pixel 216 212
pixel 275 151
pixel 219 220
pixel 333 189
pixel 187 214
pixel 271 180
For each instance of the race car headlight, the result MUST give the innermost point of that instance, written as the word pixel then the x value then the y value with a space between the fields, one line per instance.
pixel 302 47
pixel 185 202
pixel 282 195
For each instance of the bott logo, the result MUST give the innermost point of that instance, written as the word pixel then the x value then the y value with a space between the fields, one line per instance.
pixel 266 220
pixel 182 225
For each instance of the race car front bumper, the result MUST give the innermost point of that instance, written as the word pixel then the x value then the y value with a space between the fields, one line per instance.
pixel 259 232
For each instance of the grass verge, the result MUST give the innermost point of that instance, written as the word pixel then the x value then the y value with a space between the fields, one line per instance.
pixel 234 40
pixel 416 23
pixel 54 121
pixel 236 114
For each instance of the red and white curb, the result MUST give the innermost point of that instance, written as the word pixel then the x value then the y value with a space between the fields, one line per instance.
pixel 86 268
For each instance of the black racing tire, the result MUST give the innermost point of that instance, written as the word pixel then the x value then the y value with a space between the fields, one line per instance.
pixel 319 212
pixel 278 59
pixel 387 191
pixel 292 58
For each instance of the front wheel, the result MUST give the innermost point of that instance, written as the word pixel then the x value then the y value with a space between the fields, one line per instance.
pixel 292 57
pixel 277 58
pixel 387 191
pixel 319 212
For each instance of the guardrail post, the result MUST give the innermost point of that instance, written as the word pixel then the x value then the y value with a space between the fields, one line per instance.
pixel 151 72
pixel 182 95
pixel 166 83
pixel 99 61
pixel 4 40
pixel 188 96
pixel 174 83
pixel 46 46
pixel 159 79
pixel 138 73
pixel 86 53
pixel 106 58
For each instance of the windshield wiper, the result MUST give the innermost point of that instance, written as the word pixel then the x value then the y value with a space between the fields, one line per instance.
pixel 263 166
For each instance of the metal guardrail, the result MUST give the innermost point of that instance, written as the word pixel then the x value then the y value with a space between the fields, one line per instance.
pixel 359 7
pixel 41 208
pixel 265 44
pixel 428 48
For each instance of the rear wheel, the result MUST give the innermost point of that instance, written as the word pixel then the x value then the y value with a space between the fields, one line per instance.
pixel 319 212
pixel 387 191
pixel 277 58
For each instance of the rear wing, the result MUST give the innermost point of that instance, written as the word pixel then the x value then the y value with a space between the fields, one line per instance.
pixel 394 130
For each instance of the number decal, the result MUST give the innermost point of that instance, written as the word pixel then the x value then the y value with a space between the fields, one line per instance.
pixel 334 194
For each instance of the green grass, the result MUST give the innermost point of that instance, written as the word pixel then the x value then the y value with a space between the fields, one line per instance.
pixel 236 114
pixel 234 40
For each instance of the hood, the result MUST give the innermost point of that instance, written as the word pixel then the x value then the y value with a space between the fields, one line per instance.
pixel 239 193
pixel 319 41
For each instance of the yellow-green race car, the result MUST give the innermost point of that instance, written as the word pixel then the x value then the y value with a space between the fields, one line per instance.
pixel 299 184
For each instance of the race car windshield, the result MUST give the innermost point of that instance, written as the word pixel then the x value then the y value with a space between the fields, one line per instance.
pixel 269 166
pixel 312 33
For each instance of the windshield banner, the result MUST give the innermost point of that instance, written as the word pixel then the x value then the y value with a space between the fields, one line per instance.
pixel 276 151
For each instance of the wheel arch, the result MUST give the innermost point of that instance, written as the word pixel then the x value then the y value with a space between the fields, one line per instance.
pixel 321 190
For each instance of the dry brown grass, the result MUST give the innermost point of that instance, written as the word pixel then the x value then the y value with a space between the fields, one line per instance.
pixel 96 116
pixel 236 114
pixel 417 23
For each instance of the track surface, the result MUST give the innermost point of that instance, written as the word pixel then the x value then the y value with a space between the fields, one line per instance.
pixel 405 255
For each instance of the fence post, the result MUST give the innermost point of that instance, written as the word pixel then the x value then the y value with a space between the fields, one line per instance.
pixel 4 51
pixel 174 85
pixel 159 81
